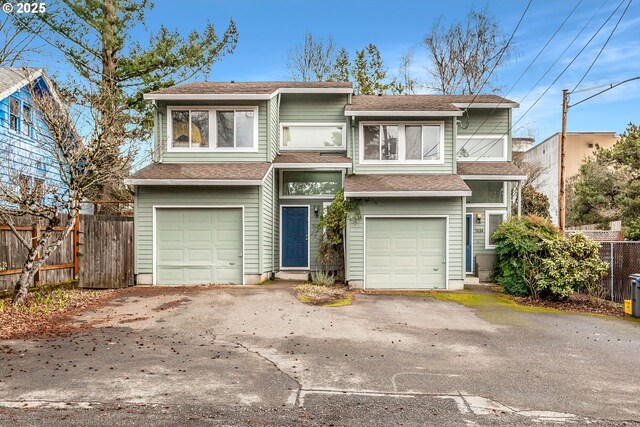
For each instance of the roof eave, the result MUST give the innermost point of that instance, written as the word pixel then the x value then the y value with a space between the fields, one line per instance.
pixel 486 104
pixel 369 194
pixel 194 182
pixel 312 165
pixel 386 113
pixel 494 177
pixel 23 82
pixel 241 96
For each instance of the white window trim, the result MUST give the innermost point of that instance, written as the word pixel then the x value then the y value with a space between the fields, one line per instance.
pixel 19 115
pixel 486 226
pixel 342 126
pixel 401 143
pixel 483 159
pixel 310 196
pixel 504 203
pixel 213 130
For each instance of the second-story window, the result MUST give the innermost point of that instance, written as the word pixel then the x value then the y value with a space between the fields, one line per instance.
pixel 27 120
pixel 14 114
pixel 313 136
pixel 403 142
pixel 212 128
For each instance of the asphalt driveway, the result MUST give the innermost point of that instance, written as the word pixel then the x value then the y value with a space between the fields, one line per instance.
pixel 255 355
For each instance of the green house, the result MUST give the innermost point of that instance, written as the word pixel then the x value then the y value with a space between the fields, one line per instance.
pixel 243 171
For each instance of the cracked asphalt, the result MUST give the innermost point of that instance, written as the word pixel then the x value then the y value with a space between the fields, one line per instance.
pixel 256 356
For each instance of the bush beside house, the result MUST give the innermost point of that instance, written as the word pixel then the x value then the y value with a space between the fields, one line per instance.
pixel 535 260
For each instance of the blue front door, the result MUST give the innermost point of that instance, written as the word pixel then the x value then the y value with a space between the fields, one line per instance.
pixel 295 237
pixel 469 252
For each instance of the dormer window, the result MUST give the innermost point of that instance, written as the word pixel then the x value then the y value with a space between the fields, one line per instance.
pixel 212 128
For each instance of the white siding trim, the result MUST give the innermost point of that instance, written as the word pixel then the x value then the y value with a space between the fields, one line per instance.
pixel 308 237
pixel 493 177
pixel 239 96
pixel 486 226
pixel 486 104
pixel 404 113
pixel 308 166
pixel 407 194
pixel 154 229
pixel 446 249
pixel 196 182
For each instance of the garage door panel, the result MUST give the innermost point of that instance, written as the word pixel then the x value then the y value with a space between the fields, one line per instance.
pixel 405 253
pixel 198 246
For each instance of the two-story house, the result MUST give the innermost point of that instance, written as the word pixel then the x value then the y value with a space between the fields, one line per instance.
pixel 244 171
pixel 22 153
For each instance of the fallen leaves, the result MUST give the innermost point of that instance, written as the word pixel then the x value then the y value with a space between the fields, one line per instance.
pixel 322 295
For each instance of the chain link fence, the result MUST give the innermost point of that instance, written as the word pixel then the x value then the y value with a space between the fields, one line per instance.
pixel 623 259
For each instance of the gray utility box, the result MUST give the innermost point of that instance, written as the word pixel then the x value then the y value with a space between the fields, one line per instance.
pixel 635 295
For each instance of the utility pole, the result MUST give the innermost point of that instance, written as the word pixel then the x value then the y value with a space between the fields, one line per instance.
pixel 563 138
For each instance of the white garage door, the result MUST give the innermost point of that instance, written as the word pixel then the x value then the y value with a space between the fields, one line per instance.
pixel 198 246
pixel 405 253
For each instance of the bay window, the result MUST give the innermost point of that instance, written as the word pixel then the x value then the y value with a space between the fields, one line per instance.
pixel 403 142
pixel 313 136
pixel 205 128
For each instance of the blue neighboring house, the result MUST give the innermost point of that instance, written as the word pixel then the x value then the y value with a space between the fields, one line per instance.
pixel 21 153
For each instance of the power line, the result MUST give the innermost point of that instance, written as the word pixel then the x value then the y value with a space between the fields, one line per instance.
pixel 526 70
pixel 610 86
pixel 554 81
pixel 602 48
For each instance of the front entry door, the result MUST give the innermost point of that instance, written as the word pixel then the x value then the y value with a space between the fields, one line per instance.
pixel 469 250
pixel 295 237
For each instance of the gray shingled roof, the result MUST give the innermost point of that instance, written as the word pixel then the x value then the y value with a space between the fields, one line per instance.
pixel 489 168
pixel 250 171
pixel 311 157
pixel 245 87
pixel 418 102
pixel 376 183
pixel 11 76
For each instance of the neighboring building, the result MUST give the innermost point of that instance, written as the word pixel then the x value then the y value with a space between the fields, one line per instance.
pixel 520 145
pixel 578 146
pixel 245 170
pixel 21 130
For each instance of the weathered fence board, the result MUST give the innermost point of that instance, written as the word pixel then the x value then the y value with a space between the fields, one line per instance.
pixel 106 252
pixel 623 259
pixel 104 245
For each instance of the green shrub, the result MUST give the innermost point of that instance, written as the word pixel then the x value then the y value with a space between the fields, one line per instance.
pixel 520 252
pixel 321 278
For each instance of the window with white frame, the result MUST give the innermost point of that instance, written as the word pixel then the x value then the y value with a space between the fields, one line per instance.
pixel 313 136
pixel 403 142
pixel 492 222
pixel 311 183
pixel 27 119
pixel 14 114
pixel 486 192
pixel 223 128
pixel 482 147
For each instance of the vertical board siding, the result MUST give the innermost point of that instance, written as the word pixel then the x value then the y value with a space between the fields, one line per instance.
pixel 197 196
pixel 213 156
pixel 398 167
pixel 453 207
pixel 315 108
pixel 106 248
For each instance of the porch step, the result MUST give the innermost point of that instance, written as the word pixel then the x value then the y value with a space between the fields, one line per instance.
pixel 293 275
pixel 471 280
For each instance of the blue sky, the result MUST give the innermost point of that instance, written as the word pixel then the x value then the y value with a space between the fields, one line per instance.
pixel 268 29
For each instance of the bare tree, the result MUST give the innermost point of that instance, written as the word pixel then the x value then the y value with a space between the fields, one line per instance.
pixel 464 54
pixel 81 163
pixel 407 81
pixel 15 43
pixel 312 60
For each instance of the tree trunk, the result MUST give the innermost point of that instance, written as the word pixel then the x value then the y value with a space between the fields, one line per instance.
pixel 21 288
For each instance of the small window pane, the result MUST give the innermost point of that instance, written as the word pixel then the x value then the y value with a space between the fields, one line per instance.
pixel 244 129
pixel 180 128
pixel 299 183
pixel 493 222
pixel 486 192
pixel 27 117
pixel 431 142
pixel 413 135
pixel 224 121
pixel 389 149
pixel 312 136
pixel 200 129
pixel 14 114
pixel 371 142
pixel 480 147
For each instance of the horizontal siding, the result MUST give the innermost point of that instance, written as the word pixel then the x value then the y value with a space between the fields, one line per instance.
pixel 449 206
pixel 391 167
pixel 312 108
pixel 191 196
pixel 170 157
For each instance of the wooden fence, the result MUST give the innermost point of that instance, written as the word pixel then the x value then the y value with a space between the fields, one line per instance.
pixel 98 253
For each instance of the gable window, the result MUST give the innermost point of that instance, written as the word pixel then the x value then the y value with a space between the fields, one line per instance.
pixel 206 128
pixel 27 119
pixel 487 193
pixel 493 221
pixel 482 148
pixel 313 136
pixel 14 114
pixel 403 142
pixel 310 183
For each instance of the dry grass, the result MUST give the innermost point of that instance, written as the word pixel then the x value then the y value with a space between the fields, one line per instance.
pixel 333 296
